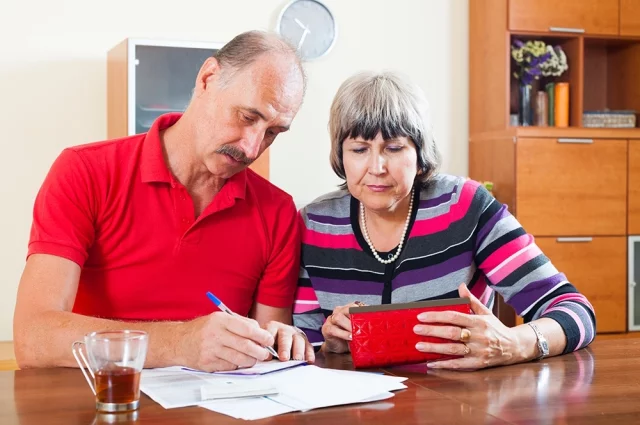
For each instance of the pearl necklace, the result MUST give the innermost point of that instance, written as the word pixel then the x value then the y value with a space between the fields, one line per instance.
pixel 365 233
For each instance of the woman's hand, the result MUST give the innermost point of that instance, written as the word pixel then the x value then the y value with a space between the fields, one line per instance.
pixel 481 338
pixel 336 330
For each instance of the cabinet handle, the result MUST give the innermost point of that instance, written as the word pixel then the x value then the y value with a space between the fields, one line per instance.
pixel 563 29
pixel 586 239
pixel 573 140
pixel 632 284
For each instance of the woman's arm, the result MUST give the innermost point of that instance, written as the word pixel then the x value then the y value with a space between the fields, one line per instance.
pixel 516 268
pixel 307 314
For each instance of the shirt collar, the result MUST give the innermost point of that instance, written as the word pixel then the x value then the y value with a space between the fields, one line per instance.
pixel 153 167
pixel 236 185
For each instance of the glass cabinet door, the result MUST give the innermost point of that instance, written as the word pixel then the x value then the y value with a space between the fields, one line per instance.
pixel 164 80
pixel 634 283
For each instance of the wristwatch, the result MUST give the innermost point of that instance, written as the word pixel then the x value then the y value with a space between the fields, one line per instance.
pixel 543 346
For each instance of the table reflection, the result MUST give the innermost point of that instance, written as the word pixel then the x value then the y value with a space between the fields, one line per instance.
pixel 544 391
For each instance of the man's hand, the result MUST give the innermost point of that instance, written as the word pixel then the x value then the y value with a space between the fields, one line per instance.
pixel 292 343
pixel 222 341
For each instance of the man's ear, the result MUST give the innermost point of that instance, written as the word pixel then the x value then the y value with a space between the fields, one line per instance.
pixel 208 74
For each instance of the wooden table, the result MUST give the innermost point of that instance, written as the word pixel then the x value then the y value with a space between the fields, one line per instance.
pixel 598 385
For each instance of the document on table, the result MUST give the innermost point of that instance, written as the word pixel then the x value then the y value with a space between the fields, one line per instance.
pixel 298 389
pixel 261 368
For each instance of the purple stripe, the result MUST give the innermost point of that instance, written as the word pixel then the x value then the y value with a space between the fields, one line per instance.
pixel 434 202
pixel 532 293
pixel 327 219
pixel 489 225
pixel 426 274
pixel 313 335
pixel 355 287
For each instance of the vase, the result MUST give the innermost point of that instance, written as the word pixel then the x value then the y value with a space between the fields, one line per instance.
pixel 525 111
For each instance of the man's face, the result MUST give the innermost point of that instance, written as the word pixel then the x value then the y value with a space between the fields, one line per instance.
pixel 239 115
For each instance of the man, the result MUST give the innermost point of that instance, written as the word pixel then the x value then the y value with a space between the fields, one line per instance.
pixel 132 233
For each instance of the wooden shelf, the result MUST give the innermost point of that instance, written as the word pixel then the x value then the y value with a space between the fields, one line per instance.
pixel 578 132
pixel 559 132
pixel 562 188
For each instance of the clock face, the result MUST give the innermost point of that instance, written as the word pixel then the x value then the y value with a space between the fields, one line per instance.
pixel 308 25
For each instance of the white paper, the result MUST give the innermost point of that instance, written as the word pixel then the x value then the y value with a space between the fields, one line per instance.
pixel 299 389
pixel 236 388
pixel 260 368
pixel 248 409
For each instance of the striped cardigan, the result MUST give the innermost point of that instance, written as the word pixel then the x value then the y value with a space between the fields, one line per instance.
pixel 458 233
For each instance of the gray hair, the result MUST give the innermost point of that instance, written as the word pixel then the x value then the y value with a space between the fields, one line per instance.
pixel 246 48
pixel 370 103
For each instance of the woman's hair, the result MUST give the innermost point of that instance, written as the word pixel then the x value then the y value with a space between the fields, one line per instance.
pixel 370 103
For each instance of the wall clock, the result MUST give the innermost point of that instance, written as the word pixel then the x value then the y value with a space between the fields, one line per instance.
pixel 310 26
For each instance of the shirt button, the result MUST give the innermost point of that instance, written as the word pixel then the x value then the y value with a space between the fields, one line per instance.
pixel 185 220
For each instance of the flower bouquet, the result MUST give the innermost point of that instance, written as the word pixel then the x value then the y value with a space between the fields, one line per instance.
pixel 533 60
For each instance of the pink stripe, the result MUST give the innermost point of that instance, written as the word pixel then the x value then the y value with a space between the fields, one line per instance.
pixel 504 252
pixel 306 294
pixel 324 240
pixel 569 297
pixel 514 263
pixel 441 222
pixel 303 308
pixel 575 318
pixel 479 289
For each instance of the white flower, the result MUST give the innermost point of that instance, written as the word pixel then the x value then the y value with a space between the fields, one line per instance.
pixel 556 65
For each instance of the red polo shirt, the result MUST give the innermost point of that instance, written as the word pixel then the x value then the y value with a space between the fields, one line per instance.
pixel 114 208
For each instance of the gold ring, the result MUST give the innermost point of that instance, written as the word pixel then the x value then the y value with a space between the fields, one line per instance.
pixel 465 335
pixel 466 350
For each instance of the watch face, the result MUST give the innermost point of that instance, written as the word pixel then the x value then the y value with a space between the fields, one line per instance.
pixel 308 25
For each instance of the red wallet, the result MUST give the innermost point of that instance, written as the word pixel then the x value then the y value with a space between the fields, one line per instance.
pixel 383 335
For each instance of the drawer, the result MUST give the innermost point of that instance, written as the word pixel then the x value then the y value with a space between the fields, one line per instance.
pixel 571 187
pixel 598 268
pixel 583 16
pixel 634 187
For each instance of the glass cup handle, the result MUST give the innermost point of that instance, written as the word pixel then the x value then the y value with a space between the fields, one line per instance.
pixel 76 348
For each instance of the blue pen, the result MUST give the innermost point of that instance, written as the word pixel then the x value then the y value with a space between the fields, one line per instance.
pixel 226 309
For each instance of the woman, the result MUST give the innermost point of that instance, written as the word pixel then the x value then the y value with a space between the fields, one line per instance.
pixel 398 231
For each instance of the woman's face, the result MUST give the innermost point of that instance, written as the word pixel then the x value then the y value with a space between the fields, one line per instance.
pixel 380 173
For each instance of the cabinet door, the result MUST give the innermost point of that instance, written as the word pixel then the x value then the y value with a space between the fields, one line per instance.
pixel 630 17
pixel 588 16
pixel 634 187
pixel 598 268
pixel 572 187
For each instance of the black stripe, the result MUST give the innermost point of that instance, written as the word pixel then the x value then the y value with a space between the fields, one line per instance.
pixel 346 275
pixel 498 243
pixel 564 289
pixel 522 271
pixel 304 282
pixel 445 296
pixel 571 330
pixel 493 209
pixel 424 247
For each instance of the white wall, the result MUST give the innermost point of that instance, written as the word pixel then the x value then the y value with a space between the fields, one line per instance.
pixel 52 86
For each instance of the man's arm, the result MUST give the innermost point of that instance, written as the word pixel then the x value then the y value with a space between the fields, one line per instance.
pixel 44 326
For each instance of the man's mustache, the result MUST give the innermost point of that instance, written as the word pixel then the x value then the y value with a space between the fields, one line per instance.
pixel 235 153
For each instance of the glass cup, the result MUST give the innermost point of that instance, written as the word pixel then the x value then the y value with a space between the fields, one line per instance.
pixel 114 360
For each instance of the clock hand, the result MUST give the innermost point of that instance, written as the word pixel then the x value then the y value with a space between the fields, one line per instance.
pixel 304 35
pixel 301 24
